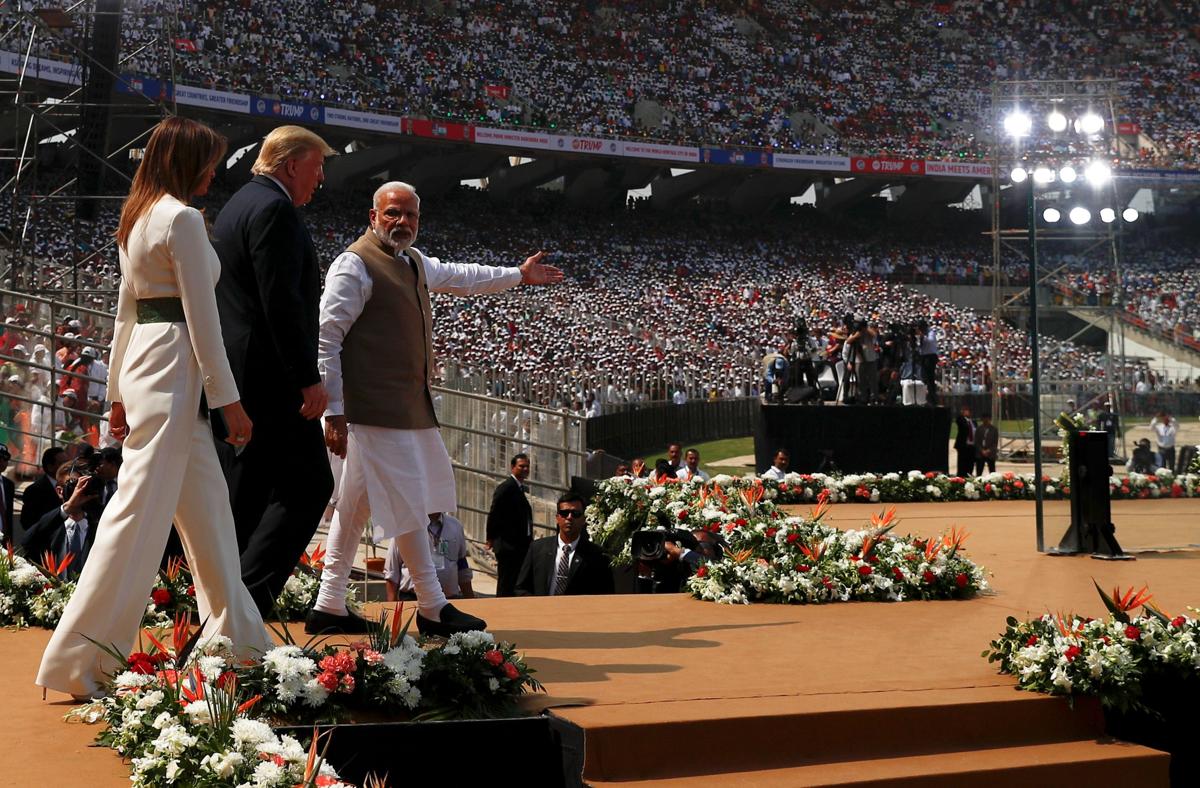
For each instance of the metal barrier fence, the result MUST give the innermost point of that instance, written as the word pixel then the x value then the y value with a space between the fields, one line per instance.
pixel 38 362
pixel 482 434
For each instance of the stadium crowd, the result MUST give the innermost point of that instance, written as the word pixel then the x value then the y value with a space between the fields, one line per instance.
pixel 678 307
pixel 851 77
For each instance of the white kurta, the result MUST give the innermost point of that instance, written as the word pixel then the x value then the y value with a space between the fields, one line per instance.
pixel 170 470
pixel 401 476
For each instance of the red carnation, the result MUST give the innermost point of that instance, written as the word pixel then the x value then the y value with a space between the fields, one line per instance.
pixel 161 596
pixel 802 568
pixel 1020 485
pixel 928 577
pixel 1033 639
pixel 683 513
pixel 494 657
pixel 510 670
pixel 825 581
pixel 960 579
pixel 702 571
pixel 898 573
pixel 1072 652
pixel 792 537
pixel 864 570
pixel 1178 621
pixel 141 662
pixel 328 679
pixel 741 522
pixel 1132 632
pixel 770 532
pixel 191 590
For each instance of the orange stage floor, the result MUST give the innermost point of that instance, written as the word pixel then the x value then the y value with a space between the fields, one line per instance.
pixel 778 695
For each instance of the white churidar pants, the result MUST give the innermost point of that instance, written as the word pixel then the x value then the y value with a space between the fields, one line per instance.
pixel 170 473
pixel 395 479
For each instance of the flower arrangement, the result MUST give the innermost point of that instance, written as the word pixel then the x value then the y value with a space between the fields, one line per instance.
pixel 181 716
pixel 1069 425
pixel 300 591
pixel 32 595
pixel 172 594
pixel 1110 659
pixel 799 560
pixel 193 713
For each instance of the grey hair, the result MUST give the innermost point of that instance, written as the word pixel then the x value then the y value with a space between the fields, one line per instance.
pixel 394 186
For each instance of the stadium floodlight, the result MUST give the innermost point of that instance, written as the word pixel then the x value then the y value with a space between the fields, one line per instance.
pixel 1067 174
pixel 1098 173
pixel 1130 214
pixel 1043 175
pixel 1056 121
pixel 1018 174
pixel 1051 215
pixel 1091 123
pixel 1018 124
pixel 1080 215
pixel 1108 215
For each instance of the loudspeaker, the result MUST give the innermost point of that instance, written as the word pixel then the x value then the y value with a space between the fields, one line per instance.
pixel 1092 530
pixel 99 74
pixel 797 394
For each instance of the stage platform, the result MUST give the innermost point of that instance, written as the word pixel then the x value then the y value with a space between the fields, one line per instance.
pixel 671 691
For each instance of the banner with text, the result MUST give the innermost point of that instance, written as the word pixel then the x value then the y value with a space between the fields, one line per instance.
pixel 749 158
pixel 212 99
pixel 40 68
pixel 801 161
pixel 650 150
pixel 959 169
pixel 440 130
pixel 880 166
pixel 287 110
pixel 369 121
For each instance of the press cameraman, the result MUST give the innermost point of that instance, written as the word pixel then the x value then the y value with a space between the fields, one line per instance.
pixel 69 529
pixel 666 558
pixel 862 363
pixel 928 352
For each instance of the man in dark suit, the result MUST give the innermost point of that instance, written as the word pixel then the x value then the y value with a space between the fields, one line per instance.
pixel 566 564
pixel 964 442
pixel 40 496
pixel 268 298
pixel 8 491
pixel 71 527
pixel 987 443
pixel 510 525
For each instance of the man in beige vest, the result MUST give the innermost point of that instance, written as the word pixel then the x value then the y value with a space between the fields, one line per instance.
pixel 376 358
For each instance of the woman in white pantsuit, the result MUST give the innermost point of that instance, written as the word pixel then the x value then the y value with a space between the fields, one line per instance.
pixel 166 349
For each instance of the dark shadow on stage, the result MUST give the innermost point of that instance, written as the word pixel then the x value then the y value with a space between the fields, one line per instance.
pixel 551 670
pixel 664 638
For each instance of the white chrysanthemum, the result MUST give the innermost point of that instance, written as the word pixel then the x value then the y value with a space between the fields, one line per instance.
pixel 249 733
pixel 174 740
pixel 268 775
pixel 131 680
pixel 198 712
pixel 223 764
pixel 211 667
pixel 149 700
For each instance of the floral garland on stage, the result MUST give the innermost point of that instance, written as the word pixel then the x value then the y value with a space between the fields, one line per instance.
pixel 197 715
pixel 1109 658
pixel 35 595
pixel 623 505
pixel 798 560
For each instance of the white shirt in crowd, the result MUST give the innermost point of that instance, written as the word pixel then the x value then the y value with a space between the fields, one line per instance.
pixel 687 475
pixel 774 474
pixel 449 549
pixel 1165 431
pixel 679 397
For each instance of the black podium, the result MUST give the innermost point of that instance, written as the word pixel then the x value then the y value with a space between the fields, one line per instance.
pixel 1092 530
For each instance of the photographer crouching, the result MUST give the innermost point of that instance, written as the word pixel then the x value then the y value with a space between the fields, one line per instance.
pixel 666 558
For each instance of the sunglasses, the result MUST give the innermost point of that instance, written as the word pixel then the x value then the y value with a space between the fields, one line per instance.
pixel 570 513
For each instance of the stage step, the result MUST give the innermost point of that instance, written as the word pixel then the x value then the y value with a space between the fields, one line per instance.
pixel 827 732
pixel 1096 764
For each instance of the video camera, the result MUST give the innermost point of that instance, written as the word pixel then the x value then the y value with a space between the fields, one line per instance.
pixel 649 547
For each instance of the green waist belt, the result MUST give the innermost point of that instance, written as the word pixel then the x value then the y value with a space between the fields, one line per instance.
pixel 160 310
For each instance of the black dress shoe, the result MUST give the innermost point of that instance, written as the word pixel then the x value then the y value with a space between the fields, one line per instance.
pixel 453 620
pixel 318 622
